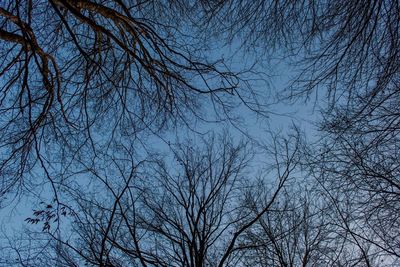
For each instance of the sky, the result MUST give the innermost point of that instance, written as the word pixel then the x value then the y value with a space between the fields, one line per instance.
pixel 276 75
pixel 272 77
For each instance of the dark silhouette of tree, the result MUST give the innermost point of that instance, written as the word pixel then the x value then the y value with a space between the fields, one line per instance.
pixel 343 47
pixel 191 210
pixel 295 232
pixel 77 75
pixel 85 84
pixel 362 188
pixel 305 228
pixel 348 52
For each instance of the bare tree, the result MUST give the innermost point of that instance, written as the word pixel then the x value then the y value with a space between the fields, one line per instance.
pixel 349 51
pixel 200 216
pixel 305 228
pixel 191 210
pixel 77 75
pixel 342 46
pixel 362 188
pixel 85 83
pixel 293 233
